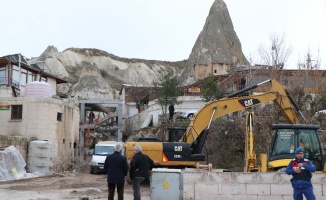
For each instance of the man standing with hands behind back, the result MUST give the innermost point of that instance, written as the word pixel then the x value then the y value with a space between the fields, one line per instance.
pixel 300 168
pixel 139 170
pixel 116 167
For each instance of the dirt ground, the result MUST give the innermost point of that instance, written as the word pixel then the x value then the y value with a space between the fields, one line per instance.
pixel 77 184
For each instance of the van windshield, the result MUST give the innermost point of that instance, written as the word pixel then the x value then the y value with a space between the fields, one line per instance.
pixel 103 150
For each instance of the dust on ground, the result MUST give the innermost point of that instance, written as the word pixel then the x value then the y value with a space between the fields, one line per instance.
pixel 76 184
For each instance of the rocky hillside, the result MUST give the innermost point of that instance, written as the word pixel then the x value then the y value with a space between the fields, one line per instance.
pixel 93 73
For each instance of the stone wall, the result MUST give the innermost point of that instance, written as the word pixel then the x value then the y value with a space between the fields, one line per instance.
pixel 20 143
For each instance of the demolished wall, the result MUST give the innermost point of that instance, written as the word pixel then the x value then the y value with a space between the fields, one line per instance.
pixel 12 165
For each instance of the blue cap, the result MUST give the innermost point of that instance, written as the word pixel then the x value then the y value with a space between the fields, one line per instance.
pixel 298 150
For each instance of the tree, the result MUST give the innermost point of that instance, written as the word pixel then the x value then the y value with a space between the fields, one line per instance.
pixel 166 91
pixel 307 64
pixel 209 89
pixel 319 102
pixel 276 53
pixel 137 93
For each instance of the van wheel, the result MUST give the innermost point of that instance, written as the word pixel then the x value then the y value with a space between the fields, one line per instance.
pixel 91 171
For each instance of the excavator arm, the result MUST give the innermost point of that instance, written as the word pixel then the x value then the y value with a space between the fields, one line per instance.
pixel 199 125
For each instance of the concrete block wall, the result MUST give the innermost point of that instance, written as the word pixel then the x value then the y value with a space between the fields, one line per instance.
pixel 198 185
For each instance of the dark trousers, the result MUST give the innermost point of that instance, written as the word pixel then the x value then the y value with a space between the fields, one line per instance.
pixel 171 116
pixel 136 187
pixel 307 192
pixel 120 187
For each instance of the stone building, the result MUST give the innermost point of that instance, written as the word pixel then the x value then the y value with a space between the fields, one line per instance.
pixel 30 109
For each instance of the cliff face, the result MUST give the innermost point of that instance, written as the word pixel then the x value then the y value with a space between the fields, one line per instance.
pixel 94 73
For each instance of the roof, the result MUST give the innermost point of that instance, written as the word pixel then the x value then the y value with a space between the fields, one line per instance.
pixel 18 58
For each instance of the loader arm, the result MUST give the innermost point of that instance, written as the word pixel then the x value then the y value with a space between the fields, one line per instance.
pixel 215 109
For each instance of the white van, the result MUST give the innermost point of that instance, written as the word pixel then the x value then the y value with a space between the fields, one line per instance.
pixel 101 150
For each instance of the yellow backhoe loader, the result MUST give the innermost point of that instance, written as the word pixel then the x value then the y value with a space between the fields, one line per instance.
pixel 187 151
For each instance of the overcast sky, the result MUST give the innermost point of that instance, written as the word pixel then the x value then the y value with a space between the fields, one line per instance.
pixel 155 29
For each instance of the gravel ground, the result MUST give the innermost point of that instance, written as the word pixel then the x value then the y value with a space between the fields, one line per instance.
pixel 78 184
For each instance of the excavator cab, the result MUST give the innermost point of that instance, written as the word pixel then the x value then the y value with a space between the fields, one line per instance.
pixel 287 137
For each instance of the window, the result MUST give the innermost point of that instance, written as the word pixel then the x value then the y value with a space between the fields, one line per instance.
pixel 2 75
pixel 59 117
pixel 30 77
pixel 44 79
pixel 16 111
pixel 26 76
pixel 284 142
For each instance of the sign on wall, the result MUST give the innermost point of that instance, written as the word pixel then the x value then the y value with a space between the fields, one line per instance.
pixel 4 107
pixel 194 90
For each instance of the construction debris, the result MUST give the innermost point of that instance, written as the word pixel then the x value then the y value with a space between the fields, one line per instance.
pixel 12 165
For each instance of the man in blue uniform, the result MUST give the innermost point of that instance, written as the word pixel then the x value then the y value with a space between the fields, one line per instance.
pixel 300 168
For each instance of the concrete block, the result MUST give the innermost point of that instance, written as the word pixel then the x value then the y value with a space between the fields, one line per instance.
pixel 268 177
pixel 320 197
pixel 190 177
pixel 221 197
pixel 188 191
pixel 219 177
pixel 203 191
pixel 259 189
pixel 245 197
pixel 225 177
pixel 240 177
pixel 318 178
pixel 318 189
pixel 273 197
pixel 284 178
pixel 202 177
pixel 227 189
pixel 281 189
pixel 288 197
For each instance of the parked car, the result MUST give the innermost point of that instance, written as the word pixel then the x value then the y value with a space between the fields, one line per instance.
pixel 321 112
pixel 187 114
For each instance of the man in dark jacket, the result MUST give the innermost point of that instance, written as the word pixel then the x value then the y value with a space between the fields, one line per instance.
pixel 300 168
pixel 116 167
pixel 139 170
pixel 171 111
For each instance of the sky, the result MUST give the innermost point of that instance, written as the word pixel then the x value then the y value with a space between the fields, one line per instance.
pixel 155 29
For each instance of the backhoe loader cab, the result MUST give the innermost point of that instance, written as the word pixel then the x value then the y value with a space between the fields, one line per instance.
pixel 287 137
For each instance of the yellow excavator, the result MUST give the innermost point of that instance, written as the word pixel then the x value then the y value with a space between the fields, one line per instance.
pixel 285 139
pixel 250 154
pixel 187 151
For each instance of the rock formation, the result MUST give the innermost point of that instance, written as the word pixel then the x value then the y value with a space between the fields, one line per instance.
pixel 94 73
pixel 217 43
